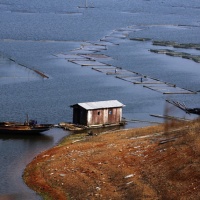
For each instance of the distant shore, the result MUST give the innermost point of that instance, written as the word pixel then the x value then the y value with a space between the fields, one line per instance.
pixel 143 163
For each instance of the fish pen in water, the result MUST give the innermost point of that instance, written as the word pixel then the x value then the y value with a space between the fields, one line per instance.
pixel 90 55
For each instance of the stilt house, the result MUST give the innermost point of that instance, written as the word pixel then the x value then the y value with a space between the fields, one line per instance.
pixel 98 113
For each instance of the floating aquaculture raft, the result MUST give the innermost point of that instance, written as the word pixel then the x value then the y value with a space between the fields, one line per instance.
pixel 90 55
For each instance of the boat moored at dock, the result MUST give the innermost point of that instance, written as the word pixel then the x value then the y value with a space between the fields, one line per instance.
pixel 27 128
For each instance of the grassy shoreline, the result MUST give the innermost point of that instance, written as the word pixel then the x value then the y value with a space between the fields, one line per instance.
pixel 157 162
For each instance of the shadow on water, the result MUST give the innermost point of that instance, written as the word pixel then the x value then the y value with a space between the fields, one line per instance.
pixel 17 151
pixel 26 137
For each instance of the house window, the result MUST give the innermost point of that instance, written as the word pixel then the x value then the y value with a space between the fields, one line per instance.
pixel 110 112
pixel 98 113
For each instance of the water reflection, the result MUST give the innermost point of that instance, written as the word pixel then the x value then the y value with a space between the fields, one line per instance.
pixel 27 137
pixel 17 151
pixel 13 72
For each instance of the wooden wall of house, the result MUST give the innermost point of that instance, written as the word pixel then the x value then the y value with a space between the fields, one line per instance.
pixel 114 115
pixel 79 115
pixel 97 116
pixel 104 116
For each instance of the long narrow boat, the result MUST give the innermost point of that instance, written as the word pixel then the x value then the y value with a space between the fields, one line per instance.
pixel 15 127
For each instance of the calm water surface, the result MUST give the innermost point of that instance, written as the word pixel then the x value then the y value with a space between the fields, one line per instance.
pixel 33 33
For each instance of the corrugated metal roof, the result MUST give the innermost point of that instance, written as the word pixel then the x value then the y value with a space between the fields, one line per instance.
pixel 101 104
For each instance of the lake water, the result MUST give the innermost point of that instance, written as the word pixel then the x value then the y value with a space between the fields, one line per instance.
pixel 39 35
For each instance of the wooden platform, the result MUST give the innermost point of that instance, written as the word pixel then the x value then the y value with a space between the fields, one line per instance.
pixel 71 127
pixel 75 127
pixel 90 54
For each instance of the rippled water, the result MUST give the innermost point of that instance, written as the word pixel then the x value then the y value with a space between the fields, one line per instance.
pixel 33 33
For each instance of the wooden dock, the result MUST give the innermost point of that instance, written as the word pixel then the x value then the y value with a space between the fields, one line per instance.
pixel 71 127
pixel 90 55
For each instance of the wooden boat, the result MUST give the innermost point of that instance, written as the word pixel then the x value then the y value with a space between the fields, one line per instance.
pixel 30 127
pixel 183 107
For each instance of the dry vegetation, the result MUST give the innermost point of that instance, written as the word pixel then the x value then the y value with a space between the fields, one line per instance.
pixel 160 162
